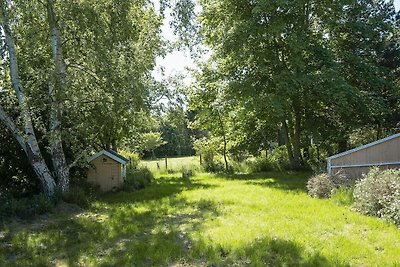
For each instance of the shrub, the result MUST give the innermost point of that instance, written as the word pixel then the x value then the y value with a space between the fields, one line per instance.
pixel 340 179
pixel 378 194
pixel 239 166
pixel 138 179
pixel 279 159
pixel 260 164
pixel 133 157
pixel 80 193
pixel 78 196
pixel 213 165
pixel 320 186
pixel 343 196
pixel 186 173
pixel 276 160
pixel 24 208
pixel 208 150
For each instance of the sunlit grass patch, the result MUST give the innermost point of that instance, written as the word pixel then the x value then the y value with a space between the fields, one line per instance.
pixel 173 164
pixel 255 220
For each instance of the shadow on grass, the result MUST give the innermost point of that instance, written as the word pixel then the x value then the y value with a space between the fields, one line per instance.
pixel 151 227
pixel 266 251
pixel 161 188
pixel 147 227
pixel 280 252
pixel 288 181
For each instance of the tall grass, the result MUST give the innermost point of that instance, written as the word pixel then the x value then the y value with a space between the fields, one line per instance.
pixel 173 164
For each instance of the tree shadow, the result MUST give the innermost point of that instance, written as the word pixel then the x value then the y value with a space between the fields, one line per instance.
pixel 147 227
pixel 143 229
pixel 287 181
pixel 161 188
pixel 274 251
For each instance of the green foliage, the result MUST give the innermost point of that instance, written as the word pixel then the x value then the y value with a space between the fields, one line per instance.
pixel 132 156
pixel 276 160
pixel 259 164
pixel 16 175
pixel 138 179
pixel 378 194
pixel 207 148
pixel 78 196
pixel 81 193
pixel 24 208
pixel 279 159
pixel 301 69
pixel 109 49
pixel 317 159
pixel 175 131
pixel 150 141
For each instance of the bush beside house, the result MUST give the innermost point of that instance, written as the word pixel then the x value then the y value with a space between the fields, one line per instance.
pixel 376 194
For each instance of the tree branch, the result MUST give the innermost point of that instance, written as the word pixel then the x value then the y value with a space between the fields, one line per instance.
pixel 11 125
pixel 89 145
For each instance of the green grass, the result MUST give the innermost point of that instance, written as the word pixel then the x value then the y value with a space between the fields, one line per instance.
pixel 174 164
pixel 210 220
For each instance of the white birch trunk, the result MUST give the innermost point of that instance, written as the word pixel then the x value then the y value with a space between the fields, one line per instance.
pixel 11 125
pixel 57 87
pixel 32 147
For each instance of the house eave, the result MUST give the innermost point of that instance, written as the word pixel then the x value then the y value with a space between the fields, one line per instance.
pixel 108 154
pixel 364 146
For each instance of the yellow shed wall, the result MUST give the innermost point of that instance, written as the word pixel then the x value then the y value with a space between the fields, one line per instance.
pixel 108 174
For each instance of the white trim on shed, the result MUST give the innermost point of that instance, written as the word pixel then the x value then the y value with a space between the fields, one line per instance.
pixel 364 165
pixel 331 165
pixel 364 146
pixel 108 154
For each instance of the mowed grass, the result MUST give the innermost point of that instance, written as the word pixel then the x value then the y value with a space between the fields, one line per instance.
pixel 209 220
pixel 173 164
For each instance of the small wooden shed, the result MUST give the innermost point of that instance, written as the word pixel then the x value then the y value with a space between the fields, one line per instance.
pixel 384 153
pixel 107 169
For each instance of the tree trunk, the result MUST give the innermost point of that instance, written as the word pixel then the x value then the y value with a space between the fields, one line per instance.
pixel 225 159
pixel 31 144
pixel 114 145
pixel 296 136
pixel 225 142
pixel 57 87
pixel 379 131
pixel 11 125
pixel 42 171
pixel 342 145
pixel 285 133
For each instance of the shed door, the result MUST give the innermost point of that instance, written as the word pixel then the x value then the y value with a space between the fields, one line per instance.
pixel 110 174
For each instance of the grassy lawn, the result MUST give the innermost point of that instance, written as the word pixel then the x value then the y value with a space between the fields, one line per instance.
pixel 173 163
pixel 238 220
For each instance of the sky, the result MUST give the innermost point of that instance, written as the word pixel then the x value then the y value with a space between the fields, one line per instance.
pixel 176 62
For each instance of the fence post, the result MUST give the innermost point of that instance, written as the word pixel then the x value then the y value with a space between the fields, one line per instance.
pixel 166 163
pixel 329 167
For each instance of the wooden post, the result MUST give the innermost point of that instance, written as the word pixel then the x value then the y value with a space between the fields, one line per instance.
pixel 166 163
pixel 200 160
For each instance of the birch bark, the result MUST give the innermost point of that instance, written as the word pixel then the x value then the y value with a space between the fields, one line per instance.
pixel 57 88
pixel 32 149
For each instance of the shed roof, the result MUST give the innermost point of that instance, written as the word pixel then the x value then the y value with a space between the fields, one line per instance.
pixel 111 154
pixel 364 146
